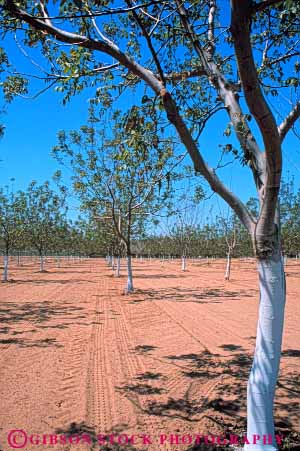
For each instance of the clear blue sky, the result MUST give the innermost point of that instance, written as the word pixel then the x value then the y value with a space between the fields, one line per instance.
pixel 32 125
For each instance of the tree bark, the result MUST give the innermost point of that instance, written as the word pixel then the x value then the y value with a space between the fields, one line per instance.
pixel 183 263
pixel 265 367
pixel 41 263
pixel 129 275
pixel 5 269
pixel 228 266
pixel 118 266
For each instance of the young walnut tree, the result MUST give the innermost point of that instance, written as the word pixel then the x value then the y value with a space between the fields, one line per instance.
pixel 194 60
pixel 43 216
pixel 11 225
pixel 117 176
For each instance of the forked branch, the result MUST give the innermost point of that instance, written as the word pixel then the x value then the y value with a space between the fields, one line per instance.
pixel 258 107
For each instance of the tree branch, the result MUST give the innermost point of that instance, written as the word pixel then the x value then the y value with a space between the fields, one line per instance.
pixel 179 76
pixel 240 28
pixel 109 12
pixel 148 40
pixel 230 98
pixel 200 166
pixel 289 121
pixel 86 42
pixel 211 27
pixel 157 86
pixel 257 7
pixel 45 13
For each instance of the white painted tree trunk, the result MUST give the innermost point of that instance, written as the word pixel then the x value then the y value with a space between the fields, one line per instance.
pixel 228 266
pixel 118 266
pixel 183 263
pixel 41 263
pixel 264 372
pixel 5 269
pixel 129 275
pixel 113 262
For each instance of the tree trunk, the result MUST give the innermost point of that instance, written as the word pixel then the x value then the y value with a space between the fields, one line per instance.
pixel 264 371
pixel 5 269
pixel 41 263
pixel 118 266
pixel 183 263
pixel 129 275
pixel 228 266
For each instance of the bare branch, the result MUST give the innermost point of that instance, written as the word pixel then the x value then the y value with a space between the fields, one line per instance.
pixel 265 53
pixel 38 93
pixel 148 40
pixel 158 19
pixel 108 12
pixel 269 62
pixel 289 121
pixel 45 13
pixel 98 30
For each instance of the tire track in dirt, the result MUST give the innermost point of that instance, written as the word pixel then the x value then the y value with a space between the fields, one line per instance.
pixel 134 366
pixel 176 383
pixel 200 339
pixel 111 406
pixel 112 367
pixel 98 410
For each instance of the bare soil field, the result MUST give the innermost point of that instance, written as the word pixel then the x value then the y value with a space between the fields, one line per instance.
pixel 77 356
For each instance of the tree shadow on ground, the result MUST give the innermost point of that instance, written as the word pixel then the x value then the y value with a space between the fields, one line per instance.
pixel 23 343
pixel 199 296
pixel 58 271
pixel 141 389
pixel 156 276
pixel 47 281
pixel 40 315
pixel 292 274
pixel 148 375
pixel 226 403
pixel 92 441
pixel 143 349
pixel 291 353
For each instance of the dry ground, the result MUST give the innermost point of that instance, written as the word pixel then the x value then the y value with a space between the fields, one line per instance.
pixel 76 355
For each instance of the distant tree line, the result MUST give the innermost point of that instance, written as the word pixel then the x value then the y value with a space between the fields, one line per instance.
pixel 35 221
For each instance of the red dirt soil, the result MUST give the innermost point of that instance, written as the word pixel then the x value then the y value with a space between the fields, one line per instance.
pixel 77 355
